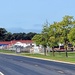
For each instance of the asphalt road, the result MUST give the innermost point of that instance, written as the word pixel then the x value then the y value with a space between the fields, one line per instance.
pixel 17 65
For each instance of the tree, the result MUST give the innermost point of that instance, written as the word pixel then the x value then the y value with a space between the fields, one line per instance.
pixel 53 36
pixel 58 32
pixel 67 24
pixel 45 36
pixel 37 39
pixel 42 38
pixel 8 36
pixel 71 36
pixel 2 34
pixel 30 35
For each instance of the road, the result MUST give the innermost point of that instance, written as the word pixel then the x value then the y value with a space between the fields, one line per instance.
pixel 17 65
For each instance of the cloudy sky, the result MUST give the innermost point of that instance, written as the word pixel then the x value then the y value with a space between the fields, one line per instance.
pixel 30 15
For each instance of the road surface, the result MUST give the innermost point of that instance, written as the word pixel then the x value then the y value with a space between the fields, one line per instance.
pixel 17 65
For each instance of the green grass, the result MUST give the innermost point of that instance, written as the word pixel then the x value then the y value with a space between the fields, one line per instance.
pixel 58 56
pixel 7 51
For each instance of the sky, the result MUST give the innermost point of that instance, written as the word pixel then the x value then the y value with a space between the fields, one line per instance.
pixel 30 15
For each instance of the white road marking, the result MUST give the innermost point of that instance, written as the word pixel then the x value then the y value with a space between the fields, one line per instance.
pixel 61 72
pixel 36 65
pixel 1 73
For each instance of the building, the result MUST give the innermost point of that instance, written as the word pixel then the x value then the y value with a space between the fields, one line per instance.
pixel 20 46
pixel 8 44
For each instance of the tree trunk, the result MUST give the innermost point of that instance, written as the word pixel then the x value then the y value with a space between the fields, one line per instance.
pixel 45 53
pixel 53 51
pixel 66 52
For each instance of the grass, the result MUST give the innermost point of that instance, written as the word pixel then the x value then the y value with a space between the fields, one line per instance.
pixel 7 51
pixel 58 56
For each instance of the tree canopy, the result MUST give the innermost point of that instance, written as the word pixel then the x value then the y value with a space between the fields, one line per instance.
pixel 8 36
pixel 58 32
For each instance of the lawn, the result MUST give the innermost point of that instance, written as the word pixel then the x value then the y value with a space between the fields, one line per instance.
pixel 58 56
pixel 7 51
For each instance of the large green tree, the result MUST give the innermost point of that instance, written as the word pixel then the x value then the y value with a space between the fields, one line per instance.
pixel 42 38
pixel 45 36
pixel 59 31
pixel 53 36
pixel 67 24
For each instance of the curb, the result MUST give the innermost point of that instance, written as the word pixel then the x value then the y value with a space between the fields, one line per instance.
pixel 40 58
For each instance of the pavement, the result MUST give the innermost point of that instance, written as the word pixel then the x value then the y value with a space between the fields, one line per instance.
pixel 14 64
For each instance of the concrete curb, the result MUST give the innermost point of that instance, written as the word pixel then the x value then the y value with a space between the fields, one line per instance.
pixel 40 58
pixel 50 60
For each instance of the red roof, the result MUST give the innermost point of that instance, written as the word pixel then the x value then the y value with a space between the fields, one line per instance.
pixel 14 41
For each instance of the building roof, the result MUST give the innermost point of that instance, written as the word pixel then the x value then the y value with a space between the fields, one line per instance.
pixel 14 41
